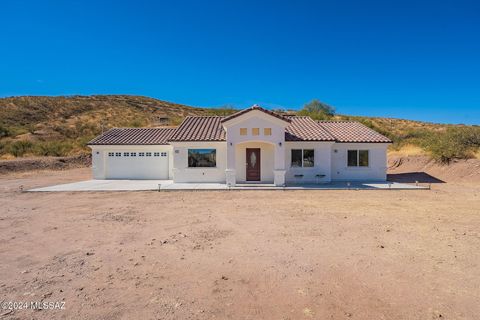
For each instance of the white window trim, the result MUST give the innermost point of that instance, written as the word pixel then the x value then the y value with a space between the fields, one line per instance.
pixel 358 166
pixel 302 167
pixel 203 168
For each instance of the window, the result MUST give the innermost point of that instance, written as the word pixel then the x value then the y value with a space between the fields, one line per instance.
pixel 110 154
pixel 202 158
pixel 267 131
pixel 296 158
pixel 126 154
pixel 255 131
pixel 149 154
pixel 118 154
pixel 308 158
pixel 141 154
pixel 163 154
pixel 357 158
pixel 303 158
pixel 133 154
pixel 156 154
pixel 243 131
pixel 363 158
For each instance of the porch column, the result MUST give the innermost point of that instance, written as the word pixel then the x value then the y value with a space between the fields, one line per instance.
pixel 279 162
pixel 230 174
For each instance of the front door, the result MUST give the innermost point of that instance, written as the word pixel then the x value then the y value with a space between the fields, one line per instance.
pixel 253 164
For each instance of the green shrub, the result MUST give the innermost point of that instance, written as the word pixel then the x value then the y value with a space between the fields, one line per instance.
pixel 5 132
pixel 455 143
pixel 53 148
pixel 19 148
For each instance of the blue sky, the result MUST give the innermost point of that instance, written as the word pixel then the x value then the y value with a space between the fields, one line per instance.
pixel 405 59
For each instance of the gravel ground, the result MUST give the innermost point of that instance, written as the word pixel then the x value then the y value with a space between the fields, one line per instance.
pixel 239 255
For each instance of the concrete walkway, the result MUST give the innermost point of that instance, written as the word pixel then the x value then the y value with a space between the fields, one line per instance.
pixel 169 185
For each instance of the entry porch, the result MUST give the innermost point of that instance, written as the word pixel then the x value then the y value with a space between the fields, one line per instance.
pixel 255 162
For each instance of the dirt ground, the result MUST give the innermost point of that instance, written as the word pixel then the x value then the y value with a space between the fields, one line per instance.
pixel 239 254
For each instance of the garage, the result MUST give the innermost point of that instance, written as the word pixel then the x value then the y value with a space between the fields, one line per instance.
pixel 132 153
pixel 127 164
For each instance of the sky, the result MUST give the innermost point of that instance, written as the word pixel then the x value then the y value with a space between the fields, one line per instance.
pixel 405 59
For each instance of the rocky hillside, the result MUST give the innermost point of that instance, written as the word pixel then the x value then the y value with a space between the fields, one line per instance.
pixel 59 126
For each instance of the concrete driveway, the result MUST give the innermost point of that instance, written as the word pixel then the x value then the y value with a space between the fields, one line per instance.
pixel 169 185
pixel 107 185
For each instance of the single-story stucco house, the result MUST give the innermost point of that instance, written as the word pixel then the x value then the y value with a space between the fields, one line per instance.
pixel 254 145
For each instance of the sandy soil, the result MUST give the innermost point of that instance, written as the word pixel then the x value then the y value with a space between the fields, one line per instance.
pixel 240 254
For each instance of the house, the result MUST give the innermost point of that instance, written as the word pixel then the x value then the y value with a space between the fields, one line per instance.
pixel 254 145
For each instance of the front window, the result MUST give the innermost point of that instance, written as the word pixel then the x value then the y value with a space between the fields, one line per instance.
pixel 357 158
pixel 303 158
pixel 296 158
pixel 243 131
pixel 267 131
pixel 308 157
pixel 255 131
pixel 202 158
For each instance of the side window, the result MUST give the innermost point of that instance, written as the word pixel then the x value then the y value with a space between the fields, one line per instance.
pixel 352 158
pixel 303 158
pixel 357 158
pixel 308 158
pixel 363 158
pixel 296 157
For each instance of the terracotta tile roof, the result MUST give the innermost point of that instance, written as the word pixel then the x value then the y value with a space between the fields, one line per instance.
pixel 200 128
pixel 256 107
pixel 134 136
pixel 352 131
pixel 306 129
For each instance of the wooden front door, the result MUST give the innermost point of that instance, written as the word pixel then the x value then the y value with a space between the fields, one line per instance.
pixel 253 164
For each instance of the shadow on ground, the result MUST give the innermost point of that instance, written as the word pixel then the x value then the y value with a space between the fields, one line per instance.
pixel 412 177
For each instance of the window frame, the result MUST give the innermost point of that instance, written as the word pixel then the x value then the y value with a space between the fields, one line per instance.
pixel 189 150
pixel 357 165
pixel 302 157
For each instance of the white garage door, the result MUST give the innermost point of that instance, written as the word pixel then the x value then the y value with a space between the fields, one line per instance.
pixel 124 164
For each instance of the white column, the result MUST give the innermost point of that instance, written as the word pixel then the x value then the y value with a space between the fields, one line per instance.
pixel 230 174
pixel 279 161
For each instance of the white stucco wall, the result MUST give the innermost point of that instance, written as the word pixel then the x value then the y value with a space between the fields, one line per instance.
pixel 181 171
pixel 377 162
pixel 100 154
pixel 322 162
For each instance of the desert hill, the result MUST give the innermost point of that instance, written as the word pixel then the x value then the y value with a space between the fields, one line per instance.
pixel 61 126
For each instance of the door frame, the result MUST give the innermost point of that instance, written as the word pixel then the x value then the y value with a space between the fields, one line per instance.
pixel 259 153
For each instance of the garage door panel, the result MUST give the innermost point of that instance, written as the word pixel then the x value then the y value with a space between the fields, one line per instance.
pixel 133 165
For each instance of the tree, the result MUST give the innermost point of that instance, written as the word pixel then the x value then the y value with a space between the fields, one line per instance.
pixel 317 110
